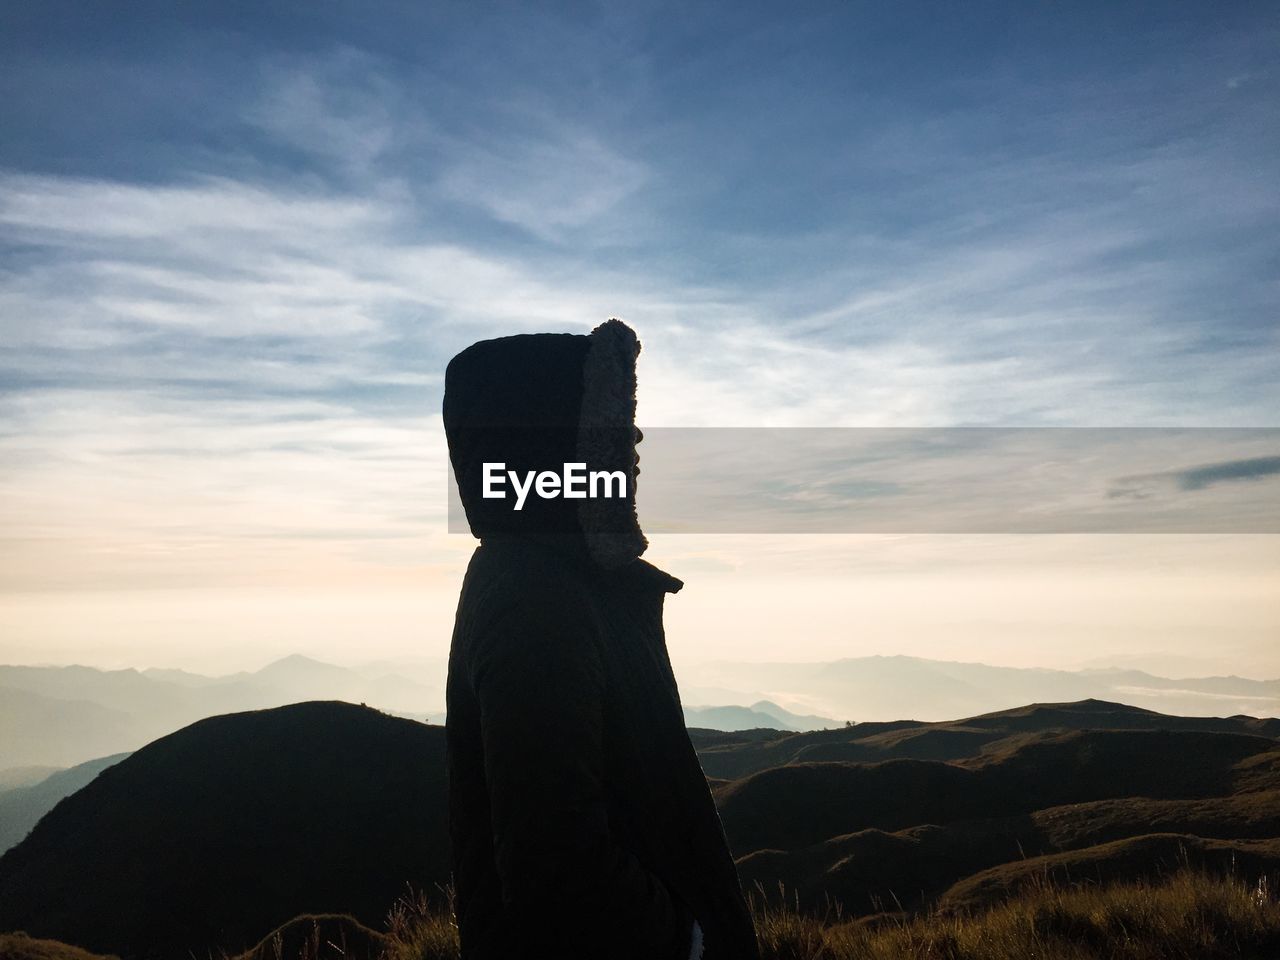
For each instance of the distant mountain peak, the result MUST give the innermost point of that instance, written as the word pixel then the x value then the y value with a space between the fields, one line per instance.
pixel 296 658
pixel 295 662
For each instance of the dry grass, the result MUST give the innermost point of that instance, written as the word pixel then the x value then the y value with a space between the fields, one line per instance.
pixel 19 946
pixel 1187 916
pixel 420 929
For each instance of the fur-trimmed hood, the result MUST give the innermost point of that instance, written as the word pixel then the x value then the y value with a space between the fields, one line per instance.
pixel 536 402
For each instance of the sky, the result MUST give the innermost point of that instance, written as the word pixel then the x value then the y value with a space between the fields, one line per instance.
pixel 239 242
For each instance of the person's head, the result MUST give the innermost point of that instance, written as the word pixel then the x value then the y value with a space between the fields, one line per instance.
pixel 536 402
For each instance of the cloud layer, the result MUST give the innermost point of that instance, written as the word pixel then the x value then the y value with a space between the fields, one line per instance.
pixel 235 258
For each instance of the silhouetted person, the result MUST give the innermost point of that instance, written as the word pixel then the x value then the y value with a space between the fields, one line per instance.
pixel 581 820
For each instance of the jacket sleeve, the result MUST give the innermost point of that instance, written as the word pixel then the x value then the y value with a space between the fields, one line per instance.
pixel 566 882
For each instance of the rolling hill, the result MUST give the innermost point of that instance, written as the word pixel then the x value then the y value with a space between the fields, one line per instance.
pixel 60 716
pixel 762 714
pixel 217 834
pixel 919 863
pixel 727 756
pixel 881 688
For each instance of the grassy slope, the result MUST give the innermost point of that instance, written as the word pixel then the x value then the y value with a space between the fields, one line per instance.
pixel 1016 804
pixel 1187 915
pixel 19 946
pixel 221 831
pixel 730 756
pixel 799 804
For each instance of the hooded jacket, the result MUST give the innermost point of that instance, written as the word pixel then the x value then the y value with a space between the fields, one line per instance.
pixel 581 821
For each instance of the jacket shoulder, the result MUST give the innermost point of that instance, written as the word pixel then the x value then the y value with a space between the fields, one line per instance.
pixel 510 589
pixel 527 574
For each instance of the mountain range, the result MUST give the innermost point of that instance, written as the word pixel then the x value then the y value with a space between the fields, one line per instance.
pixel 58 716
pixel 64 715
pixel 890 688
pixel 210 837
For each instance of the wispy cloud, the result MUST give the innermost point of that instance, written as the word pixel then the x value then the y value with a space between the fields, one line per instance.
pixel 1230 471
pixel 341 109
pixel 1201 477
pixel 229 282
pixel 548 184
